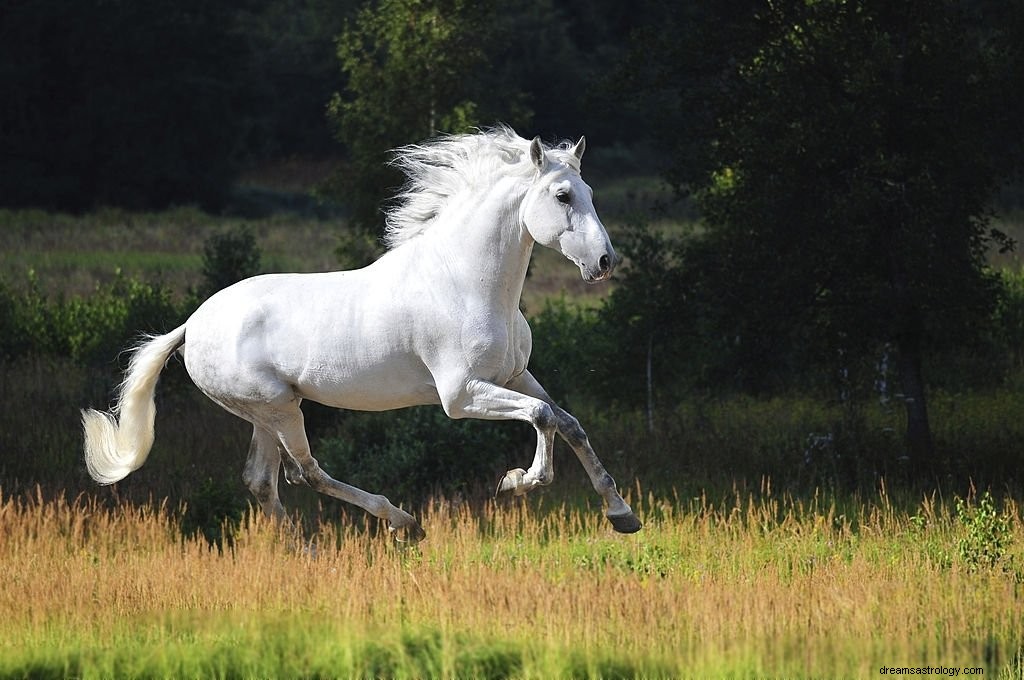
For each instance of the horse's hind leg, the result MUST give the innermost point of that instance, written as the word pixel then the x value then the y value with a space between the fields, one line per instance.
pixel 261 472
pixel 287 425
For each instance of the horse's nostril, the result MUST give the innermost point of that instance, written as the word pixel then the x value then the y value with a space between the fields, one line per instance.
pixel 605 263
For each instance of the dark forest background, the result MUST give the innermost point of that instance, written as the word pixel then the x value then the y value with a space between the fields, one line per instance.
pixel 829 292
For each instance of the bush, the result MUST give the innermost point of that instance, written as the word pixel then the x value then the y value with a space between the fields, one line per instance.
pixel 229 257
pixel 89 330
pixel 412 453
pixel 215 510
pixel 572 358
pixel 986 533
pixel 1009 314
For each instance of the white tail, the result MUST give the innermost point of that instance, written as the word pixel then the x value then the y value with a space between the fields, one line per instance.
pixel 118 442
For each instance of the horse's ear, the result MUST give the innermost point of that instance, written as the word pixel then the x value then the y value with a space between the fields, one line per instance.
pixel 537 154
pixel 580 147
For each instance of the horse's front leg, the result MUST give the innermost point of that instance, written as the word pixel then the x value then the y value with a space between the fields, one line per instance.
pixel 488 401
pixel 618 511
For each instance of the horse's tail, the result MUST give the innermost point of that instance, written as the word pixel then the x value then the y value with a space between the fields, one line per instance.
pixel 118 442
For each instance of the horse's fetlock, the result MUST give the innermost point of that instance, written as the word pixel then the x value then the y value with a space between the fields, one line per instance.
pixel 261 488
pixel 379 505
pixel 294 476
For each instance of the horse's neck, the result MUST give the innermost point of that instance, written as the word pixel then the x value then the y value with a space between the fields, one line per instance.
pixel 486 246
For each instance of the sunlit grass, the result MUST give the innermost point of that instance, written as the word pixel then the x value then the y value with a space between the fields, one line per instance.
pixel 742 585
pixel 71 254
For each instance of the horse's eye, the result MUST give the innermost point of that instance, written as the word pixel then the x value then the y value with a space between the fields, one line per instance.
pixel 564 197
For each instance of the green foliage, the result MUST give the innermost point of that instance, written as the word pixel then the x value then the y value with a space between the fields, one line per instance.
pixel 214 510
pixel 987 533
pixel 272 649
pixel 404 62
pixel 89 330
pixel 413 453
pixel 229 257
pixel 291 72
pixel 843 156
pixel 413 68
pixel 572 357
pixel 860 219
pixel 356 249
pixel 1009 315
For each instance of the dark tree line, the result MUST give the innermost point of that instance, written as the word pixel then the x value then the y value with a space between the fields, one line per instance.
pixel 116 102
pixel 147 103
pixel 844 157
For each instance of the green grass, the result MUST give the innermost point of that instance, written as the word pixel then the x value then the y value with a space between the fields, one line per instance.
pixel 290 645
pixel 742 585
pixel 73 254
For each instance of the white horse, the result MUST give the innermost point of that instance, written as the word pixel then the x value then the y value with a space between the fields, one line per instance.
pixel 435 320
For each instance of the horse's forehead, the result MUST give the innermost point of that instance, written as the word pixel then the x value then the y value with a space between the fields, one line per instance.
pixel 562 172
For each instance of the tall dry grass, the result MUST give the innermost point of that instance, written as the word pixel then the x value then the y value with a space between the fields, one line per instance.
pixel 742 585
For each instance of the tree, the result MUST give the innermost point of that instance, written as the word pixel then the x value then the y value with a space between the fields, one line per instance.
pixel 414 69
pixel 290 75
pixel 843 155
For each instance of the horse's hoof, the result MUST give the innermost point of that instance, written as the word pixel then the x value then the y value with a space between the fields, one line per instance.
pixel 512 481
pixel 410 534
pixel 625 524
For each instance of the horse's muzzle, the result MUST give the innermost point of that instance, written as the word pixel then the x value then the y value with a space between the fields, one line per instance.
pixel 603 271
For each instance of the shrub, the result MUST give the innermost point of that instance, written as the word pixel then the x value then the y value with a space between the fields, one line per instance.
pixel 986 536
pixel 1009 314
pixel 572 359
pixel 90 330
pixel 229 257
pixel 411 453
pixel 215 510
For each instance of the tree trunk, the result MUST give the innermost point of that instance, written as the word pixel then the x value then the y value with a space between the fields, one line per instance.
pixel 920 448
pixel 909 338
pixel 650 383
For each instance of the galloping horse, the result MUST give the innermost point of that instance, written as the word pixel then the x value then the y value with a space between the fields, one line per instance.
pixel 435 320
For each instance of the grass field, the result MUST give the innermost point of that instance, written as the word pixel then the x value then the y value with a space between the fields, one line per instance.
pixel 72 254
pixel 743 586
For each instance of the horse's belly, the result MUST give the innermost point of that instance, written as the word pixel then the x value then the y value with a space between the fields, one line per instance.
pixel 381 387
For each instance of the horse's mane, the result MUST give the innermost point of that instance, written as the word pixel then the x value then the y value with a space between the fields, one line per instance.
pixel 445 167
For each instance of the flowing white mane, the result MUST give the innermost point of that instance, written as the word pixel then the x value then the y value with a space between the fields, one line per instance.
pixel 444 168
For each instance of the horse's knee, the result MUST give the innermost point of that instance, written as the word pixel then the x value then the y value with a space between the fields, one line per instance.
pixel 378 505
pixel 544 417
pixel 572 431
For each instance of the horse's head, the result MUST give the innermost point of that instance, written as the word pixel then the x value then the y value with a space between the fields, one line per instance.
pixel 558 211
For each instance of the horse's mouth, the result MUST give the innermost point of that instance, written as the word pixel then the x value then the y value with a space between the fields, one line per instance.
pixel 591 278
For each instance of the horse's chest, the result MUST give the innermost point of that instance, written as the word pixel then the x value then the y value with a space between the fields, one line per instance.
pixel 496 349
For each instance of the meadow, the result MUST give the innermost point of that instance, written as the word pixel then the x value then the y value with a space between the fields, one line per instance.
pixel 745 585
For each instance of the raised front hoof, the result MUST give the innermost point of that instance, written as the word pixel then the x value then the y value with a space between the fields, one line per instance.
pixel 408 534
pixel 512 481
pixel 625 524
